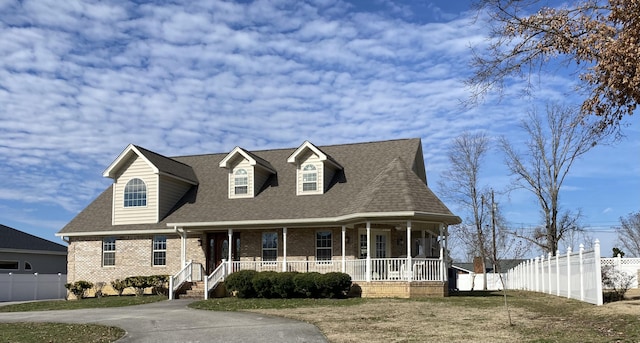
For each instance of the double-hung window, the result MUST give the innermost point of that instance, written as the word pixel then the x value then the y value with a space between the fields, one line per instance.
pixel 109 252
pixel 269 246
pixel 159 250
pixel 241 182
pixel 324 247
pixel 309 178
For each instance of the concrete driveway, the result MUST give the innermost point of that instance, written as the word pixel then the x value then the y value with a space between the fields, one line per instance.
pixel 173 321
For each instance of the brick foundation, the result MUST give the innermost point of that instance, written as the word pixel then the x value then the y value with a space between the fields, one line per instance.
pixel 395 289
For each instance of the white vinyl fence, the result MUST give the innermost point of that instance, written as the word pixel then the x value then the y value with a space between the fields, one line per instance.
pixel 21 287
pixel 572 275
pixel 473 281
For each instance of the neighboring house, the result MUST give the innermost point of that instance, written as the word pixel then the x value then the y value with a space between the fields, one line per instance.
pixel 354 208
pixel 22 253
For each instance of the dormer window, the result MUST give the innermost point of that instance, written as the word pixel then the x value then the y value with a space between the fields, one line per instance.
pixel 241 182
pixel 309 178
pixel 135 193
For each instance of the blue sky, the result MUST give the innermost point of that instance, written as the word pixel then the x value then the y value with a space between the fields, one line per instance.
pixel 81 80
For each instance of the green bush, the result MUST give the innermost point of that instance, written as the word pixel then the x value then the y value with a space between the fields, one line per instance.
pixel 119 286
pixel 334 285
pixel 240 283
pixel 263 284
pixel 283 285
pixel 160 284
pixel 78 288
pixel 306 284
pixel 139 283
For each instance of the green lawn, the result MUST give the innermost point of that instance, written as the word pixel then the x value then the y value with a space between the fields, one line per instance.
pixel 68 333
pixel 110 301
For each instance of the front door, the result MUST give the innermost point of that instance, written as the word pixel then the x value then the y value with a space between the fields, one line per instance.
pixel 218 249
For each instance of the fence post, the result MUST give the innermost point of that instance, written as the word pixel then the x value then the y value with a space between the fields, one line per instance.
pixel 569 272
pixel 549 264
pixel 618 261
pixel 537 274
pixel 59 285
pixel 558 272
pixel 598 271
pixel 581 273
pixel 10 286
pixel 35 288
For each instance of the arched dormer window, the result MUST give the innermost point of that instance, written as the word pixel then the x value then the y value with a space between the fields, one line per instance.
pixel 309 178
pixel 241 182
pixel 135 193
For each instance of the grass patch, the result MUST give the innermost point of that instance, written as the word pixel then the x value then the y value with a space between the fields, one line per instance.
pixel 237 304
pixel 110 301
pixel 56 332
pixel 464 317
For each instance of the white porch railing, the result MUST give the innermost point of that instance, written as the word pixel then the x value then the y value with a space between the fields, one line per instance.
pixel 189 273
pixel 218 275
pixel 382 269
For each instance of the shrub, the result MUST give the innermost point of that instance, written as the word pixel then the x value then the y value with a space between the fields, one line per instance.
pixel 119 286
pixel 139 283
pixel 160 284
pixel 283 285
pixel 240 283
pixel 263 284
pixel 334 285
pixel 617 282
pixel 98 288
pixel 78 288
pixel 306 284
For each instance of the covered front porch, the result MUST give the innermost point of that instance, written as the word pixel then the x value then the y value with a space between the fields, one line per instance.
pixel 366 254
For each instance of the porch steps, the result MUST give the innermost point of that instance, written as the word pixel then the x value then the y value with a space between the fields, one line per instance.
pixel 193 290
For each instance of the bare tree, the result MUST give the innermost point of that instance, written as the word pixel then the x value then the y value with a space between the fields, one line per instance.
pixel 552 146
pixel 629 233
pixel 460 183
pixel 596 38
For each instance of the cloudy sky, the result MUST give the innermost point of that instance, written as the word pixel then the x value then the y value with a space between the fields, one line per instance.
pixel 81 80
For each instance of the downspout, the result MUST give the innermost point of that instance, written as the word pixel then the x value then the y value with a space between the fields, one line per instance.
pixel 183 245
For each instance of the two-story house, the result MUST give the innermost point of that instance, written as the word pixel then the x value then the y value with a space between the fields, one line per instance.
pixel 364 209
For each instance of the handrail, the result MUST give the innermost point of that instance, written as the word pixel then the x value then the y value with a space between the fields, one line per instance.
pixel 181 277
pixel 216 276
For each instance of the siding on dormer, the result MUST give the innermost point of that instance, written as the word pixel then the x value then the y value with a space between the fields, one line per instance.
pixel 136 168
pixel 310 158
pixel 171 191
pixel 241 164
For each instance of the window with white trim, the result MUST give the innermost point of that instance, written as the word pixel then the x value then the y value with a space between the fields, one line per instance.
pixel 109 252
pixel 309 178
pixel 241 182
pixel 135 193
pixel 269 246
pixel 324 248
pixel 159 250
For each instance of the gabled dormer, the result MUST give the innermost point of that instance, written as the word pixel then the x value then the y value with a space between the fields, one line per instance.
pixel 247 173
pixel 314 169
pixel 146 185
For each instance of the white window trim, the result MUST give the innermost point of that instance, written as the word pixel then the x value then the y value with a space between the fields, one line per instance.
pixel 232 183
pixel 330 248
pixel 146 195
pixel 300 179
pixel 115 247
pixel 154 251
pixel 262 248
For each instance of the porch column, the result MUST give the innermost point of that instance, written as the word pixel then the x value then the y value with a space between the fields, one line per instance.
pixel 183 246
pixel 409 269
pixel 443 274
pixel 230 257
pixel 284 249
pixel 344 240
pixel 368 266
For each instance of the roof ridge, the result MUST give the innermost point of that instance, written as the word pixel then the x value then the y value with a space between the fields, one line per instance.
pixel 294 148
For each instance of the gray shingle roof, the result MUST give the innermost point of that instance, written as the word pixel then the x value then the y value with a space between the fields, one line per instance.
pixel 377 177
pixel 11 238
pixel 168 165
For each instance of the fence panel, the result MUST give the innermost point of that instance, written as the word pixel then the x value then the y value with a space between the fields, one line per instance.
pixel 572 275
pixel 23 287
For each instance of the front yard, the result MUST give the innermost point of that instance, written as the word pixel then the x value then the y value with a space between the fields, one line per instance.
pixel 470 317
